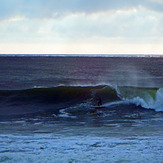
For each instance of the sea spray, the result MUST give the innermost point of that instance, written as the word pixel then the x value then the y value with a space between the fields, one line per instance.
pixel 158 105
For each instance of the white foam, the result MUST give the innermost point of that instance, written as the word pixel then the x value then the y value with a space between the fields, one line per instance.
pixel 111 104
pixel 64 114
pixel 50 148
pixel 156 104
pixel 144 99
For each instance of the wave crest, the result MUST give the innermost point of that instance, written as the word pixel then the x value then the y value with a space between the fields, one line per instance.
pixel 51 100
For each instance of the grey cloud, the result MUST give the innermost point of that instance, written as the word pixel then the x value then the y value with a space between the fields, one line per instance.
pixel 55 8
pixel 96 5
pixel 156 6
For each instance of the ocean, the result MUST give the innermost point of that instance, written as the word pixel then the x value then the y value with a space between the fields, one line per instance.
pixel 46 112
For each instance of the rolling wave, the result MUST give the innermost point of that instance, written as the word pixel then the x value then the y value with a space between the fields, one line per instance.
pixel 51 100
pixel 149 98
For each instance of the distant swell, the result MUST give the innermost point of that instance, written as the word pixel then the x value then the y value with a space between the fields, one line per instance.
pixel 42 100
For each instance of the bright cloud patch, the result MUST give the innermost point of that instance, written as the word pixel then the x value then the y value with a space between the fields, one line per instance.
pixel 132 23
pixel 80 21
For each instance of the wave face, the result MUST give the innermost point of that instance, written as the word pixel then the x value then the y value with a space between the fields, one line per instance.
pixel 41 99
pixel 52 100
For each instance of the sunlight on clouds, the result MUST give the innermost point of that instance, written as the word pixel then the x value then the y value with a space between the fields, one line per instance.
pixel 129 31
pixel 120 23
pixel 17 18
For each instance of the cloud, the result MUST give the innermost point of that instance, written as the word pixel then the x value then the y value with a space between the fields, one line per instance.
pixel 82 24
pixel 133 24
pixel 58 8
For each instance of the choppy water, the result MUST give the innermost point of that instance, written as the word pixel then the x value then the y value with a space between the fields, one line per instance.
pixel 46 114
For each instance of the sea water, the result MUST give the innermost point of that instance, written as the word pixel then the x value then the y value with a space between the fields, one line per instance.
pixel 46 114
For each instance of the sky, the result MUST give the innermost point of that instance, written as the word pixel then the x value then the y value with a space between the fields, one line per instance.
pixel 81 27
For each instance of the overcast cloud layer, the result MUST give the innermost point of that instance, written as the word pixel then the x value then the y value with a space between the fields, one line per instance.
pixel 62 21
pixel 49 8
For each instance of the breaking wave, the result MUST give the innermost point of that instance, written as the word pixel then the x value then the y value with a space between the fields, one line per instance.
pixel 51 100
pixel 149 98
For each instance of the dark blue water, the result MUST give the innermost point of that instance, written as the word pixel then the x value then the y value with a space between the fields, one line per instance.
pixel 46 114
pixel 30 72
pixel 38 83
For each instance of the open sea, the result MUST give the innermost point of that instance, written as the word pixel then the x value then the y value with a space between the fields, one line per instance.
pixel 46 114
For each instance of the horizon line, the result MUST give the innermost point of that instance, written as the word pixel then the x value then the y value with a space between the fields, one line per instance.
pixel 86 55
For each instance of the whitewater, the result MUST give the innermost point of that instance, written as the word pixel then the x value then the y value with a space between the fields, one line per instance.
pixel 46 114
